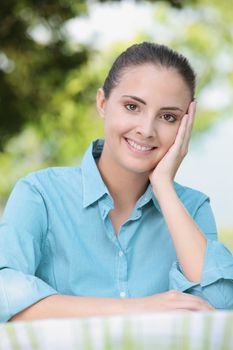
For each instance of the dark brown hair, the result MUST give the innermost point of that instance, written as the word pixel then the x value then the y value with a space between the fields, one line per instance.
pixel 147 52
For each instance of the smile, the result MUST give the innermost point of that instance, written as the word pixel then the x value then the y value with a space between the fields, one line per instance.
pixel 135 146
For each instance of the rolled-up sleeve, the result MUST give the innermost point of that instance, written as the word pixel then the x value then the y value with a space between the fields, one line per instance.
pixel 22 233
pixel 216 285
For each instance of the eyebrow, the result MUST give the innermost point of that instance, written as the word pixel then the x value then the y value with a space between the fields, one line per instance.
pixel 135 98
pixel 170 108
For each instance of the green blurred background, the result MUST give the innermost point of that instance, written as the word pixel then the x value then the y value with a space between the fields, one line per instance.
pixel 52 60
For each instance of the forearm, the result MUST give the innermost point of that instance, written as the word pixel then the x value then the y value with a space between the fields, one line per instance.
pixel 189 241
pixel 60 306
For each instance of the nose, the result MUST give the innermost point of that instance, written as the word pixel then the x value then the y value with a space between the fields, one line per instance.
pixel 146 127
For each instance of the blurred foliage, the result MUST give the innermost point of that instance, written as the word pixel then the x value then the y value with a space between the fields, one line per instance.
pixel 31 70
pixel 48 83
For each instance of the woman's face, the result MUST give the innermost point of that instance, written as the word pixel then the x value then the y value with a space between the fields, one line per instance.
pixel 142 116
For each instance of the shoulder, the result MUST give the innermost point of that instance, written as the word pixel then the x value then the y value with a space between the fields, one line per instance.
pixel 190 197
pixel 53 178
pixel 53 173
pixel 198 205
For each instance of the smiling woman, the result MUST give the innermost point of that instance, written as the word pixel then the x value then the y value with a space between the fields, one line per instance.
pixel 118 235
pixel 135 116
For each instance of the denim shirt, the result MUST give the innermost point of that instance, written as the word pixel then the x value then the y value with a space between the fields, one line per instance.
pixel 56 237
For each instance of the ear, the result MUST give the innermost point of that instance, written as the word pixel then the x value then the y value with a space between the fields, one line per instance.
pixel 100 102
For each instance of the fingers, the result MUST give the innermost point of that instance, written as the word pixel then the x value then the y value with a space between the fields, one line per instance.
pixel 192 107
pixel 194 305
pixel 184 301
pixel 189 125
pixel 191 115
pixel 174 300
pixel 181 135
pixel 185 130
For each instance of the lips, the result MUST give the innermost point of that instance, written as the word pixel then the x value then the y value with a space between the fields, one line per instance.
pixel 138 146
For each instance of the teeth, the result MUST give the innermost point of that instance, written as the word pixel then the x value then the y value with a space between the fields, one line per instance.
pixel 138 147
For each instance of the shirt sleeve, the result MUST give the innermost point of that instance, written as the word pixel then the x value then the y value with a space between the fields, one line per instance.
pixel 216 285
pixel 22 231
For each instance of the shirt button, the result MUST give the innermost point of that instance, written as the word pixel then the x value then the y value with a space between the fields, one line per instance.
pixel 122 294
pixel 120 253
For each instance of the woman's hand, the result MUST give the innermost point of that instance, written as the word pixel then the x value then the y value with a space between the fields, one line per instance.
pixel 167 167
pixel 172 300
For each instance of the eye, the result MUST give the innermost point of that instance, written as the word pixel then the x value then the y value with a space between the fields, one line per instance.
pixel 131 106
pixel 169 117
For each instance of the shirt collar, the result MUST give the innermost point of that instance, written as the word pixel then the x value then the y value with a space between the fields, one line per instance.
pixel 149 194
pixel 93 186
pixel 147 197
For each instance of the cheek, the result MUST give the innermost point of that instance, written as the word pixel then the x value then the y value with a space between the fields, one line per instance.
pixel 168 135
pixel 110 126
pixel 115 123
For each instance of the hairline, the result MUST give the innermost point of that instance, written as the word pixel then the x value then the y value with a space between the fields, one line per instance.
pixel 149 63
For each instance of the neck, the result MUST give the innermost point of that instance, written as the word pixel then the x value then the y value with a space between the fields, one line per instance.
pixel 125 186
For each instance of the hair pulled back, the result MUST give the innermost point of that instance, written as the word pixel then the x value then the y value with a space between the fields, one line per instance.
pixel 147 52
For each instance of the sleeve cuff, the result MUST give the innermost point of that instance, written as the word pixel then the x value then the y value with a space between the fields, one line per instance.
pixel 19 291
pixel 218 265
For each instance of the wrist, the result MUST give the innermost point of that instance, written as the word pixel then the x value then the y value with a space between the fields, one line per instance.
pixel 163 186
pixel 133 305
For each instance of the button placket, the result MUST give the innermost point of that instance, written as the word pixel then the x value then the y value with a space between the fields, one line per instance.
pixel 122 274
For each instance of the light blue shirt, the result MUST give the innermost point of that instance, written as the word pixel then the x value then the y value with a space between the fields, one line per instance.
pixel 56 237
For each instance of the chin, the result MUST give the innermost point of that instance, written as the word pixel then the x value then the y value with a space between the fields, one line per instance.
pixel 139 170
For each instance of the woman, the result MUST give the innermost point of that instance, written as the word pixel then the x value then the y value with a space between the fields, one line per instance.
pixel 118 235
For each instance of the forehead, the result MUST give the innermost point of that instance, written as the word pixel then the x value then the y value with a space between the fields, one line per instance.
pixel 152 83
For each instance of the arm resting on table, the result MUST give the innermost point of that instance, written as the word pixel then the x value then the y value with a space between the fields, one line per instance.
pixel 57 306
